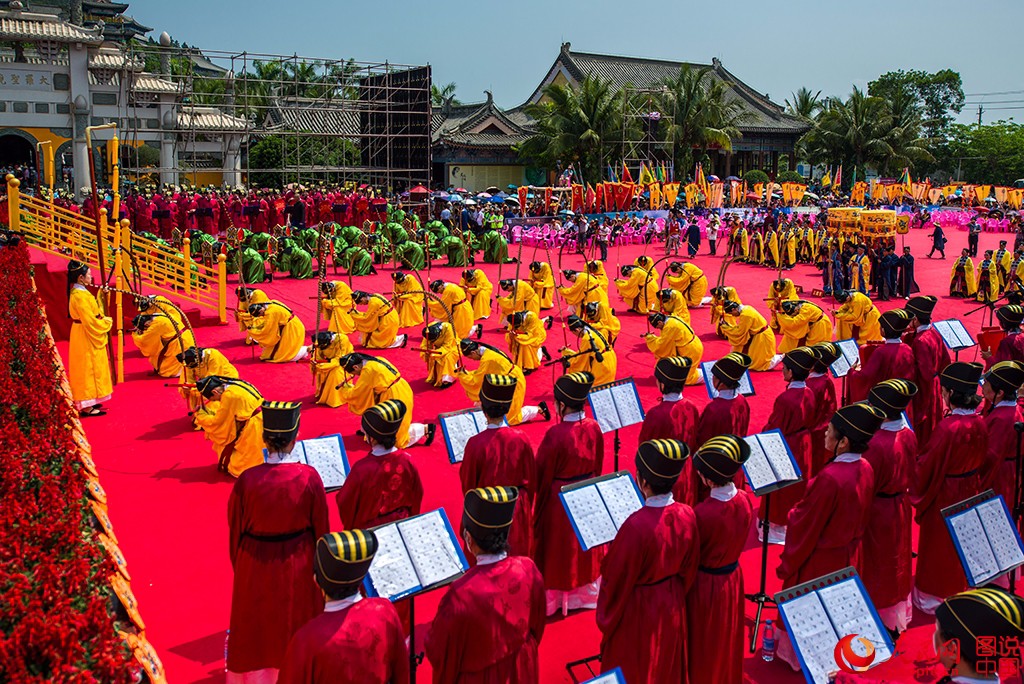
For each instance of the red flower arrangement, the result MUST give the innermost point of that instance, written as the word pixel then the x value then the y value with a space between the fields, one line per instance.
pixel 56 609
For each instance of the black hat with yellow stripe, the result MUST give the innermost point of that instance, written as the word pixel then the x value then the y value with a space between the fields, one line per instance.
pixel 800 360
pixel 894 323
pixel 661 461
pixel 892 396
pixel 731 367
pixel 721 457
pixel 988 613
pixel 673 370
pixel 498 391
pixel 825 354
pixel 921 306
pixel 858 422
pixel 343 559
pixel 961 376
pixel 573 388
pixel 488 509
pixel 1006 375
pixel 281 419
pixel 381 421
pixel 1012 315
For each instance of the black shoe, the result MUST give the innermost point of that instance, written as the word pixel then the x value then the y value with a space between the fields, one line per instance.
pixel 445 385
pixel 544 354
pixel 405 340
pixel 431 431
pixel 479 330
pixel 528 371
pixel 545 411
pixel 373 271
pixel 549 322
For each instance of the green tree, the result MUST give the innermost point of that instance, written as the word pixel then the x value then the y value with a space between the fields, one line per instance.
pixel 986 154
pixel 804 104
pixel 439 95
pixel 940 95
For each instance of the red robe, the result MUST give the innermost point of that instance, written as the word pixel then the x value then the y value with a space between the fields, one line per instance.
pixel 1011 348
pixel 999 471
pixel 641 611
pixel 674 420
pixel 931 356
pixel 948 471
pixel 489 625
pixel 273 593
pixel 715 603
pixel 792 413
pixel 720 417
pixel 503 457
pixel 823 388
pixel 570 451
pixel 361 644
pixel 887 572
pixel 379 490
pixel 889 361
pixel 827 527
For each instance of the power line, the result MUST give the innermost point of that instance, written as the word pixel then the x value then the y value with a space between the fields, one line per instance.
pixel 1001 92
pixel 974 104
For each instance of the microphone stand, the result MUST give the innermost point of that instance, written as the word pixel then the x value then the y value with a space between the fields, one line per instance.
pixel 1018 496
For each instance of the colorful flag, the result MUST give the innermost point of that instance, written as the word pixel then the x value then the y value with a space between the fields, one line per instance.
pixel 627 177
pixel 671 192
pixel 826 180
pixel 646 177
pixel 838 181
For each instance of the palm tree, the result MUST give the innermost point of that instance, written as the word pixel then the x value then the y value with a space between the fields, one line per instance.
pixel 439 95
pixel 906 134
pixel 851 132
pixel 804 104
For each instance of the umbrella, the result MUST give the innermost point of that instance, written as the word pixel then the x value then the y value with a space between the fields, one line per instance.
pixel 501 195
pixel 439 195
pixel 566 212
pixel 733 178
pixel 494 199
pixel 713 179
pixel 418 190
pixel 482 195
pixel 811 195
pixel 461 190
pixel 511 200
pixel 753 195
pixel 455 197
pixel 492 189
pixel 990 199
pixel 512 187
pixel 469 203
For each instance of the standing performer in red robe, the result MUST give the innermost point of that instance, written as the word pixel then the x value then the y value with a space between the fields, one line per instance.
pixel 931 356
pixel 572 450
pixel 503 455
pixel 894 359
pixel 650 567
pixel 715 604
pixel 887 573
pixel 489 625
pixel 827 527
pixel 674 418
pixel 1002 383
pixel 727 414
pixel 357 640
pixel 823 389
pixel 948 470
pixel 792 413
pixel 275 513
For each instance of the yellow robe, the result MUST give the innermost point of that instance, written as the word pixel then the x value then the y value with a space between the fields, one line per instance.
pixel 993 279
pixel 857 273
pixel 408 306
pixel 677 307
pixel 279 333
pixel 336 309
pixel 791 249
pixel 242 309
pixel 543 283
pixel 1003 261
pixel 378 324
pixel 750 335
pixel 858 318
pixel 807 327
pixel 652 269
pixel 607 323
pixel 596 285
pixel 691 283
pixel 164 306
pixel 771 248
pixel 494 363
pixel 640 298
pixel 523 299
pixel 212 363
pixel 454 297
pixel 718 315
pixel 328 373
pixel 603 370
pixel 220 421
pixel 524 344
pixel 161 343
pixel 744 240
pixel 677 338
pixel 379 381
pixel 479 292
pixel 88 365
pixel 969 280
pixel 776 297
pixel 441 355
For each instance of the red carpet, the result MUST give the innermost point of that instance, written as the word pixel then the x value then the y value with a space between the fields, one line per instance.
pixel 168 503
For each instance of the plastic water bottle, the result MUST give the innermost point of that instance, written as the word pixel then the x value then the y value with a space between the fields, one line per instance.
pixel 767 642
pixel 227 635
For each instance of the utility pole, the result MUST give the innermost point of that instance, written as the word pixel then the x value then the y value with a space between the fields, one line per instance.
pixel 980 110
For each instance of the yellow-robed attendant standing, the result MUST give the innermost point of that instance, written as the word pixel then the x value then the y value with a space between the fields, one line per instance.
pixel 600 317
pixel 594 354
pixel 638 290
pixel 278 331
pixel 672 302
pixel 440 350
pixel 325 355
pixel 689 280
pixel 771 248
pixel 986 286
pixel 857 318
pixel 88 367
pixel 743 240
pixel 749 334
pixel 232 422
pixel 335 306
pixel 408 300
pixel 525 338
pixel 479 289
pixel 161 339
pixel 542 280
pixel 676 338
pixel 860 271
pixel 376 380
pixel 495 362
pixel 246 297
pixel 378 324
pixel 453 298
pixel 198 363
pixel 802 324
pixel 961 278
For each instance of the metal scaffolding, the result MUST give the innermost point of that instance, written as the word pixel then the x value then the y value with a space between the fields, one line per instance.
pixel 643 123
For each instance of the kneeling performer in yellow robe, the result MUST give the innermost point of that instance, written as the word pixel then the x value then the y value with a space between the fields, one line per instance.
pixel 376 380
pixel 379 323
pixel 161 339
pixel 440 350
pixel 198 363
pixel 325 356
pixel 677 338
pixel 594 354
pixel 278 331
pixel 750 334
pixel 232 422
pixel 494 362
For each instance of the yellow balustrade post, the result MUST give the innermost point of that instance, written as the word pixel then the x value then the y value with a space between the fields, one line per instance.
pixel 186 250
pixel 115 179
pixel 120 228
pixel 222 287
pixel 103 232
pixel 13 202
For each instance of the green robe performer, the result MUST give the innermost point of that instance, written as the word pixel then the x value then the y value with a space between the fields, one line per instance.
pixel 453 248
pixel 295 259
pixel 495 247
pixel 410 255
pixel 254 269
pixel 357 261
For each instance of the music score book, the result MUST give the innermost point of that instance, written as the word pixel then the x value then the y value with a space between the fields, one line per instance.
pixel 771 465
pixel 616 405
pixel 746 387
pixel 327 456
pixel 817 614
pixel 984 536
pixel 457 427
pixel 610 677
pixel 415 555
pixel 598 507
pixel 842 366
pixel 954 335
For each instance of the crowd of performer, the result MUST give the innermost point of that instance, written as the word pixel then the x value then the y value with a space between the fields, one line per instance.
pixel 915 432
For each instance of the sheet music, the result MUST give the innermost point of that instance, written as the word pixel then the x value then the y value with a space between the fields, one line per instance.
pixel 459 428
pixel 592 519
pixel 605 413
pixel 392 571
pixel 850 358
pixel 325 456
pixel 977 552
pixel 613 677
pixel 851 614
pixel 774 446
pixel 954 334
pixel 431 548
pixel 1001 536
pixel 812 630
pixel 758 469
pixel 620 498
pixel 627 404
pixel 746 387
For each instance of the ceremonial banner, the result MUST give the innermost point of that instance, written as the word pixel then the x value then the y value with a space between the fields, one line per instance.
pixel 577 198
pixel 715 196
pixel 1001 194
pixel 655 199
pixel 759 190
pixel 600 197
pixel 934 195
pixel 671 192
pixel 591 199
pixel 522 192
pixel 691 195
pixel 547 199
pixel 981 193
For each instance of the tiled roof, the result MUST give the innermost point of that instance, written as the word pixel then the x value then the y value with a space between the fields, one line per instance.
pixel 314 116
pixel 151 83
pixel 18 25
pixel 209 119
pixel 107 58
pixel 455 125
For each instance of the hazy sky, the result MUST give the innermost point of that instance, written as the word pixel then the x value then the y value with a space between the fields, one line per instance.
pixel 507 47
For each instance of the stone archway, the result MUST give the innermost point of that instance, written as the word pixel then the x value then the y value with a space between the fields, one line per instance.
pixel 17 148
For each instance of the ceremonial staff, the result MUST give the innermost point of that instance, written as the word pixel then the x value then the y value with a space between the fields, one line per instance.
pixel 321 271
